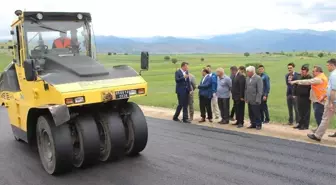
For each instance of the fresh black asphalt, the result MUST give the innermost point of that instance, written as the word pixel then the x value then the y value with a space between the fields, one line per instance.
pixel 183 154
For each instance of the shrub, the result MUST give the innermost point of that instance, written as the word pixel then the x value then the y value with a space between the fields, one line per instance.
pixel 246 54
pixel 109 53
pixel 202 59
pixel 320 55
pixel 125 53
pixel 167 58
pixel 174 60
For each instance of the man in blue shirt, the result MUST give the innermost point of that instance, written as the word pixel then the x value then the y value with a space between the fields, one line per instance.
pixel 224 85
pixel 214 99
pixel 266 89
pixel 330 105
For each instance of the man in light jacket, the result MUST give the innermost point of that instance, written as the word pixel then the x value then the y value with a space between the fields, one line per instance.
pixel 253 93
pixel 224 85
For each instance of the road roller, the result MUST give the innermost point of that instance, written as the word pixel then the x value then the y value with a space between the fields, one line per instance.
pixel 59 98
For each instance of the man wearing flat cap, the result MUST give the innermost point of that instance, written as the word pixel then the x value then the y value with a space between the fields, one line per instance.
pixel 302 92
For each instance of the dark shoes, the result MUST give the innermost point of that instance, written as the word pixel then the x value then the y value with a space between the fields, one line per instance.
pixel 202 120
pixel 186 121
pixel 266 122
pixel 176 119
pixel 258 127
pixel 240 126
pixel 313 137
pixel 223 122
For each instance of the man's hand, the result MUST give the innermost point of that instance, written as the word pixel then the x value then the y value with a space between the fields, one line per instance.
pixel 265 98
pixel 191 92
pixel 321 99
pixel 292 82
pixel 186 76
pixel 331 106
pixel 214 95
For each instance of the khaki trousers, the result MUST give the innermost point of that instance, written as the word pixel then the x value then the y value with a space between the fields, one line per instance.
pixel 326 119
pixel 214 106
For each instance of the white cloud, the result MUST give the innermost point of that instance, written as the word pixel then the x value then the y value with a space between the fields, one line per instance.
pixel 135 18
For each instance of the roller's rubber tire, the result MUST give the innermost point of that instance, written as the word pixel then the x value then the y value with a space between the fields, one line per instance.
pixel 54 145
pixel 113 139
pixel 136 129
pixel 86 130
pixel 17 139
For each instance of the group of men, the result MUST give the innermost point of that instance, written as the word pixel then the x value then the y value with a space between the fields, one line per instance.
pixel 304 90
pixel 244 86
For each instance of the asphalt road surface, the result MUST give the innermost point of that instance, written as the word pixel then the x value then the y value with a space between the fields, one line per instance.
pixel 183 154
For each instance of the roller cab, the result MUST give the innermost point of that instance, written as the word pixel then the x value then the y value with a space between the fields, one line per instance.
pixel 61 99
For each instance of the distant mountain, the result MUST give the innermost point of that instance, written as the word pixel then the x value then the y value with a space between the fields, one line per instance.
pixel 252 41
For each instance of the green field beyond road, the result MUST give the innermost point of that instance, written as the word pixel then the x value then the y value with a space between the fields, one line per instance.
pixel 161 83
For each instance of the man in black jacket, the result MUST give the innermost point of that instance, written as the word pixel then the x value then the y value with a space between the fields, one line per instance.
pixel 234 71
pixel 302 92
pixel 238 94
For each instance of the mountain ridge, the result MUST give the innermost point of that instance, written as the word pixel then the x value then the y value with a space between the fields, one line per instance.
pixel 255 40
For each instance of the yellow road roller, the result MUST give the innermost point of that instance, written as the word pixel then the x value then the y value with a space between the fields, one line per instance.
pixel 61 99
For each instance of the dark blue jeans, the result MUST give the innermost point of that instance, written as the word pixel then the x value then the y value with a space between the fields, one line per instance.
pixel 318 112
pixel 264 111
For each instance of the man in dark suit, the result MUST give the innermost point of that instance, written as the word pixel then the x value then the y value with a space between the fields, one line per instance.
pixel 205 95
pixel 291 99
pixel 234 71
pixel 182 90
pixel 238 94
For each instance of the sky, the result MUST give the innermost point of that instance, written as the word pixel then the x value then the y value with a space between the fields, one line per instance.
pixel 186 18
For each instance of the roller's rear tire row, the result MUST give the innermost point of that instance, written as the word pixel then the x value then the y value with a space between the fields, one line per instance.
pixel 103 137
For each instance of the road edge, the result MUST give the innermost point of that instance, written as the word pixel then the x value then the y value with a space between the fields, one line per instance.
pixel 275 130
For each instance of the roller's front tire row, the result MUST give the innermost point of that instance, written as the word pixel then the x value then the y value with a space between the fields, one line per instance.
pixel 89 139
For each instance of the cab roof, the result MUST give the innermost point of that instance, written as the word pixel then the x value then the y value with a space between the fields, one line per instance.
pixel 57 16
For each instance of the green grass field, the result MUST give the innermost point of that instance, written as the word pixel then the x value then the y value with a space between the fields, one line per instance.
pixel 160 76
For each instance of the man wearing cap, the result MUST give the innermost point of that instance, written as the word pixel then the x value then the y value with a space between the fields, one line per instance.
pixel 318 91
pixel 302 92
